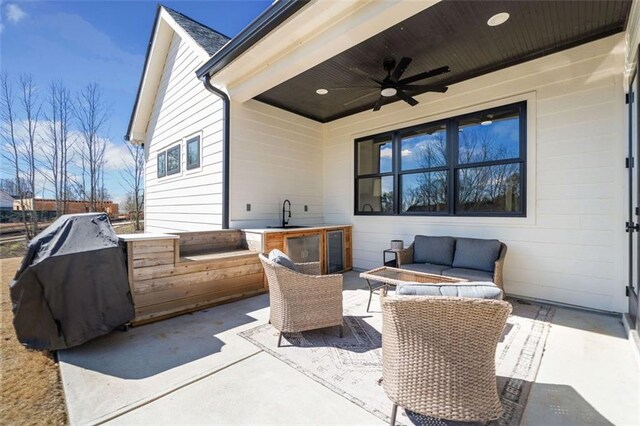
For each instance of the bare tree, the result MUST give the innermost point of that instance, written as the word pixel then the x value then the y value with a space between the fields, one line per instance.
pixel 91 114
pixel 31 110
pixel 56 148
pixel 132 177
pixel 11 153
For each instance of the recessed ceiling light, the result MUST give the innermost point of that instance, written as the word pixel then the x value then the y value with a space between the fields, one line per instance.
pixel 388 92
pixel 498 19
pixel 322 91
pixel 486 122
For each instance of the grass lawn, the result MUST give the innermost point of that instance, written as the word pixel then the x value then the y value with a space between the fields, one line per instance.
pixel 30 388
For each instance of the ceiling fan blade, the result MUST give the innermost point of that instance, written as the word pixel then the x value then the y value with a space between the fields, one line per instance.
pixel 360 98
pixel 358 71
pixel 427 74
pixel 408 99
pixel 352 87
pixel 423 87
pixel 402 66
pixel 378 104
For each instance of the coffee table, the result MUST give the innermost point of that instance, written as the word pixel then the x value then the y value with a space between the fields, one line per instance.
pixel 386 276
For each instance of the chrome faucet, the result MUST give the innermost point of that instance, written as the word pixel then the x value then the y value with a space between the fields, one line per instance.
pixel 285 219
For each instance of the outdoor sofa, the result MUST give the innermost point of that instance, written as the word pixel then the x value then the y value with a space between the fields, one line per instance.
pixel 469 258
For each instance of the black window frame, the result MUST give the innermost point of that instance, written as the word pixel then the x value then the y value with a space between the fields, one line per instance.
pixel 194 139
pixel 451 168
pixel 173 148
pixel 162 154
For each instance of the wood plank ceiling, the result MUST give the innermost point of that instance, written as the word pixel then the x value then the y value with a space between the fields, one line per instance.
pixel 453 33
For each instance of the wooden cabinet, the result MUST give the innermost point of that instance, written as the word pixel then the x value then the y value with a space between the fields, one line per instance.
pixel 330 246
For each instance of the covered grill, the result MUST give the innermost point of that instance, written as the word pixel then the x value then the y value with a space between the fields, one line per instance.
pixel 72 285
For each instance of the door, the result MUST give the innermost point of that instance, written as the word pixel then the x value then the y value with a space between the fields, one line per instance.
pixel 634 191
pixel 305 248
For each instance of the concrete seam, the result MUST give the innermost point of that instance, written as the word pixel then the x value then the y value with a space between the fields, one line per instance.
pixel 161 395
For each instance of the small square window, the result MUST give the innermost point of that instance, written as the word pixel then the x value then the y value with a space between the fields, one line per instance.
pixel 173 160
pixel 162 164
pixel 193 153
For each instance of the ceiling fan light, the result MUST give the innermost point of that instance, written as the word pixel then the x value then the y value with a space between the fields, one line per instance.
pixel 322 91
pixel 387 92
pixel 498 19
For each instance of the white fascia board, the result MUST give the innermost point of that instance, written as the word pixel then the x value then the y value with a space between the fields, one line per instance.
pixel 163 33
pixel 317 33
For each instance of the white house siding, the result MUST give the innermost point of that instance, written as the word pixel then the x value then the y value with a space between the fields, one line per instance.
pixel 275 155
pixel 190 200
pixel 571 246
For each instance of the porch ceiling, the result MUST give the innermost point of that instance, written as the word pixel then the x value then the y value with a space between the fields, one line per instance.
pixel 453 33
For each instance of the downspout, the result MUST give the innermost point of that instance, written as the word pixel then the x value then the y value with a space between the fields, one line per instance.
pixel 225 147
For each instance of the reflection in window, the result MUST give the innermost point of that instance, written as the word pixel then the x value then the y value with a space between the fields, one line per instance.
pixel 375 194
pixel 193 153
pixel 162 164
pixel 375 156
pixel 424 148
pixel 424 192
pixel 489 189
pixel 173 160
pixel 489 137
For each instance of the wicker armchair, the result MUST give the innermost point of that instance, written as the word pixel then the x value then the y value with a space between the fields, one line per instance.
pixel 406 256
pixel 304 300
pixel 438 355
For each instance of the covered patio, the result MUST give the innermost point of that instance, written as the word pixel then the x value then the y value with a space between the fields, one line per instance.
pixel 205 368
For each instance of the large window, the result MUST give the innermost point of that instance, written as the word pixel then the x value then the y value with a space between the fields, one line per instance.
pixel 472 165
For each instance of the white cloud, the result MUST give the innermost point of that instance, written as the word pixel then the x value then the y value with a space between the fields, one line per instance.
pixel 14 13
pixel 386 153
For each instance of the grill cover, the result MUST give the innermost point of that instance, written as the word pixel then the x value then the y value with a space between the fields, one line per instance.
pixel 72 285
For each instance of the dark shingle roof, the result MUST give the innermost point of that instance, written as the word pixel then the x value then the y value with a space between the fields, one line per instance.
pixel 209 39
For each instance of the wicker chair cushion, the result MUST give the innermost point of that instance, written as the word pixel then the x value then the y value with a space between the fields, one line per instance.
pixel 477 290
pixel 436 250
pixel 282 259
pixel 472 253
pixel 428 268
pixel 468 274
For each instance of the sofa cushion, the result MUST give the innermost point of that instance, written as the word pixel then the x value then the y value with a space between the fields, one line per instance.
pixel 282 259
pixel 468 274
pixel 472 253
pixel 436 250
pixel 478 290
pixel 428 268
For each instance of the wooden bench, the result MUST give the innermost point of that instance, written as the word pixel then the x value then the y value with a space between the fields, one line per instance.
pixel 171 274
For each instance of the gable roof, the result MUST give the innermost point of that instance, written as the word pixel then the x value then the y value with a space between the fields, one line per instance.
pixel 207 38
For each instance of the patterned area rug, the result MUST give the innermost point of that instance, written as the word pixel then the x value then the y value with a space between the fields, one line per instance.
pixel 352 366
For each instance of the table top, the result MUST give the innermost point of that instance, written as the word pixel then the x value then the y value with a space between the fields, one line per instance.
pixel 395 276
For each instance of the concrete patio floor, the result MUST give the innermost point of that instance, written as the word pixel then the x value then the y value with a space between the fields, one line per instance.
pixel 195 369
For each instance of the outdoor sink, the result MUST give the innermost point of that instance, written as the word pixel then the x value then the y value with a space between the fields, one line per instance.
pixel 286 227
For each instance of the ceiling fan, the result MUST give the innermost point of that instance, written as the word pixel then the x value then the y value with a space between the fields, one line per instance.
pixel 392 85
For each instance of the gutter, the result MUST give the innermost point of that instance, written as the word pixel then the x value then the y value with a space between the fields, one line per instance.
pixel 268 20
pixel 226 122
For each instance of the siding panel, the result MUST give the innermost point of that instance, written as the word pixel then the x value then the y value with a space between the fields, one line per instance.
pixel 191 200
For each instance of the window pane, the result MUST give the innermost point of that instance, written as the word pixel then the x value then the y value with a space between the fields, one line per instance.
pixel 489 189
pixel 424 192
pixel 173 160
pixel 375 156
pixel 193 153
pixel 375 194
pixel 489 137
pixel 424 148
pixel 162 164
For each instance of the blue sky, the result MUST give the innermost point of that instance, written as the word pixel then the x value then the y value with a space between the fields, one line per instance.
pixel 80 42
